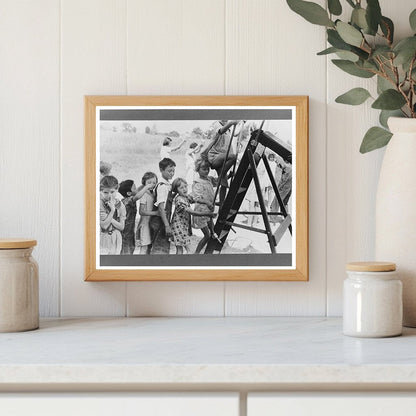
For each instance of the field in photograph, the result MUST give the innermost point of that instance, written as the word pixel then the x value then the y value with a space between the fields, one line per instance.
pixel 133 154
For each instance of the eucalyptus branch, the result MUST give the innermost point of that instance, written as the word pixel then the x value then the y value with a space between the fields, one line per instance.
pixel 406 97
pixel 395 71
pixel 412 83
pixel 368 34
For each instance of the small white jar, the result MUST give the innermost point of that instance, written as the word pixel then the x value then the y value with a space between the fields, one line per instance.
pixel 372 300
pixel 19 286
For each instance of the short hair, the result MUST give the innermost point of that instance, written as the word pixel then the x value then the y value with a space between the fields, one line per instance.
pixel 105 168
pixel 166 141
pixel 177 183
pixel 125 187
pixel 166 163
pixel 147 176
pixel 108 182
pixel 201 163
pixel 193 145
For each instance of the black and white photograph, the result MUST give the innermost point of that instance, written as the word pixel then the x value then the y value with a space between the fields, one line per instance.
pixel 199 187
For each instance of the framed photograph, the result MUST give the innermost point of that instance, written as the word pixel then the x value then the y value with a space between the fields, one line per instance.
pixel 196 188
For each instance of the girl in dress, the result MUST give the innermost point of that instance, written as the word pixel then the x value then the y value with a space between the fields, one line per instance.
pixel 181 219
pixel 203 192
pixel 112 216
pixel 143 236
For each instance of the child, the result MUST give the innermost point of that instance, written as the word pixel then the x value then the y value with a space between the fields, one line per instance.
pixel 112 216
pixel 130 194
pixel 160 225
pixel 166 149
pixel 181 219
pixel 146 211
pixel 190 154
pixel 105 169
pixel 216 153
pixel 203 193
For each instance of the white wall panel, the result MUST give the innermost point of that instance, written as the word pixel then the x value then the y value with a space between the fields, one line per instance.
pixel 271 50
pixel 29 140
pixel 93 50
pixel 352 177
pixel 175 48
pixel 175 299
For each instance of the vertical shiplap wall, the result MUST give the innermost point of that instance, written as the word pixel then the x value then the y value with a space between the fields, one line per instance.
pixel 30 135
pixel 55 52
pixel 93 61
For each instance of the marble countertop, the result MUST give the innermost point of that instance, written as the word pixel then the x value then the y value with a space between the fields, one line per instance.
pixel 183 352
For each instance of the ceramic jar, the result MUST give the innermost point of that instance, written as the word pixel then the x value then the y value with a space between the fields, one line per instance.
pixel 19 286
pixel 372 300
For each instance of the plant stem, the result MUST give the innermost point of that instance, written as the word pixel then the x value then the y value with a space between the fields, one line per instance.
pixel 412 83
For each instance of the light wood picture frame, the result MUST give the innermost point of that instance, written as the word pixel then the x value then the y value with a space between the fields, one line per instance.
pixel 249 154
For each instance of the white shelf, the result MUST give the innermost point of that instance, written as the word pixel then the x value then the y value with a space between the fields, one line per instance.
pixel 192 353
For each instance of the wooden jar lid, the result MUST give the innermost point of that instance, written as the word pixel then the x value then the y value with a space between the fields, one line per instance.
pixel 11 243
pixel 371 266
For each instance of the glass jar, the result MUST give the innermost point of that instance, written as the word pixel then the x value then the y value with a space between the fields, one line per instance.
pixel 372 300
pixel 19 286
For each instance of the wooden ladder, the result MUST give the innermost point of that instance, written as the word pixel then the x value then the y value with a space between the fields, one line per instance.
pixel 244 175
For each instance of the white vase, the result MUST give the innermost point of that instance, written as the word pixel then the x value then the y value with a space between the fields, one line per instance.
pixel 396 210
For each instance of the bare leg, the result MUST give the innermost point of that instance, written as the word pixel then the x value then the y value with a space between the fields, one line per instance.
pixel 145 249
pixel 223 192
pixel 204 240
pixel 179 250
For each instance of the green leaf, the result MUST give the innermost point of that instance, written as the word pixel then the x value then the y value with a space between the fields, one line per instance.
pixel 349 34
pixel 383 84
pixel 405 50
pixel 328 51
pixel 371 64
pixel 356 96
pixel 334 7
pixel 347 55
pixel 373 15
pixel 386 114
pixel 381 50
pixel 352 68
pixel 311 12
pixel 412 20
pixel 389 100
pixel 375 138
pixel 335 40
pixel 358 18
pixel 387 27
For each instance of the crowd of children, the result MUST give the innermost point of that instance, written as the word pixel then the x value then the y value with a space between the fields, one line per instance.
pixel 165 210
pixel 168 208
